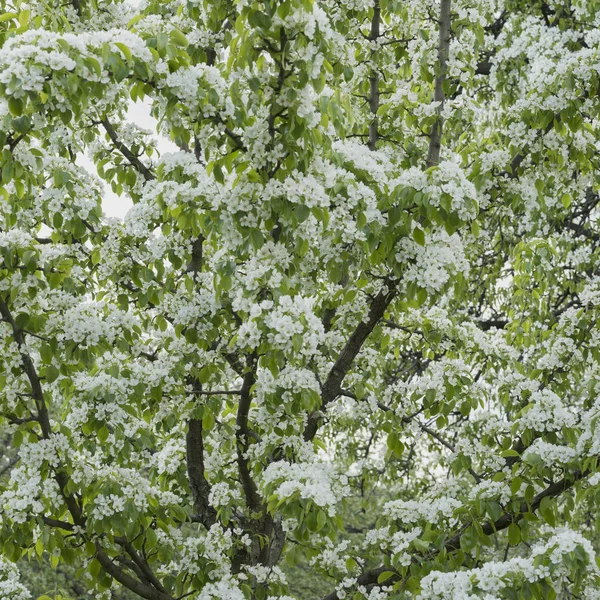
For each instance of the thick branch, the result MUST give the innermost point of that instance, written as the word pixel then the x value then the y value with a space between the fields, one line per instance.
pixel 374 80
pixel 205 513
pixel 250 490
pixel 40 401
pixel 332 385
pixel 199 486
pixel 141 563
pixel 142 590
pixel 433 156
pixel 506 519
pixel 58 524
pixel 195 264
pixel 268 534
pixel 135 162
pixel 132 566
pixel 484 67
pixel 29 369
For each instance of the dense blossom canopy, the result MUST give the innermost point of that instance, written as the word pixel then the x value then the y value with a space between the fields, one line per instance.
pixel 352 321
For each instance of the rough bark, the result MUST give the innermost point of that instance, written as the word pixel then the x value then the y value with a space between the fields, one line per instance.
pixel 435 137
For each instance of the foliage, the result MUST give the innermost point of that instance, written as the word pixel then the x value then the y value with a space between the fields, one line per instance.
pixel 367 284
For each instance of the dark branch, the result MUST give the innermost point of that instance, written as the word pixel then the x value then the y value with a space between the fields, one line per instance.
pixel 40 402
pixel 135 162
pixel 332 385
pixel 139 588
pixel 195 264
pixel 374 81
pixel 250 490
pixel 489 528
pixel 58 524
pixel 141 564
pixel 200 487
pixel 506 519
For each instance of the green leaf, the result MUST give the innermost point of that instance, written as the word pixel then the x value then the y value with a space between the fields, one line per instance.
pixel 15 106
pixel 547 510
pixel 126 51
pixel 302 212
pixel 134 20
pixel 17 438
pixel 21 320
pixel 514 534
pixel 321 520
pixel 90 548
pixel 103 433
pixel 494 510
pixel 515 485
pixel 208 420
pixel 52 373
pixel 421 545
pixel 529 493
pixel 419 236
pixel 94 567
pixel 21 124
pixel 509 453
pixel 118 68
pixel 24 16
pixel 383 577
pixel 94 65
pixel 392 440
pixel 218 173
pixel 256 239
pixel 178 38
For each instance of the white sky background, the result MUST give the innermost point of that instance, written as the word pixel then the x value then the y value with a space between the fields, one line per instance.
pixel 138 113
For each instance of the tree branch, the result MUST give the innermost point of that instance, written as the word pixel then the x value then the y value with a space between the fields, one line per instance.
pixel 489 528
pixel 38 396
pixel 506 519
pixel 436 436
pixel 217 392
pixel 58 524
pixel 61 478
pixel 200 487
pixel 195 264
pixel 250 490
pixel 374 81
pixel 520 156
pixel 332 385
pixel 142 590
pixel 135 162
pixel 141 563
pixel 433 155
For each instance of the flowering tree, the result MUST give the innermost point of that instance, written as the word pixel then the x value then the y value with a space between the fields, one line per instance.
pixel 366 284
